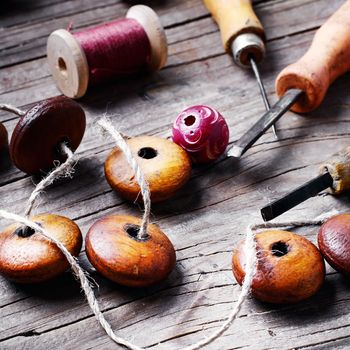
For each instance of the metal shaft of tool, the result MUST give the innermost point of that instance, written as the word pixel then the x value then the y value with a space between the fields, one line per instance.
pixel 262 89
pixel 292 199
pixel 264 123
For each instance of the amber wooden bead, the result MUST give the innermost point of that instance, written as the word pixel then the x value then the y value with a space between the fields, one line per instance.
pixel 28 257
pixel 334 242
pixel 165 165
pixel 34 145
pixel 115 251
pixel 290 268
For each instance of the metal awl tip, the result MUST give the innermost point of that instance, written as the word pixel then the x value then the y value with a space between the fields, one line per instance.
pixel 235 151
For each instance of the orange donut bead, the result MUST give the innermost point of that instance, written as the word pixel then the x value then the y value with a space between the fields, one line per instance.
pixel 28 257
pixel 165 165
pixel 290 268
pixel 115 251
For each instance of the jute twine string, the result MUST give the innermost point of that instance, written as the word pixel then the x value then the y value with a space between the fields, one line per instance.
pixel 107 126
pixel 12 109
pixel 64 170
pixel 82 276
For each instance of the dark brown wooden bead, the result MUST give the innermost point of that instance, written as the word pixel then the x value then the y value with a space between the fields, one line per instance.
pixel 290 268
pixel 3 139
pixel 165 165
pixel 35 141
pixel 115 251
pixel 334 242
pixel 28 257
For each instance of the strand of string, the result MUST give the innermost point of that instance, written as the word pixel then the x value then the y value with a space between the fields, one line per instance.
pixel 12 109
pixel 107 126
pixel 63 170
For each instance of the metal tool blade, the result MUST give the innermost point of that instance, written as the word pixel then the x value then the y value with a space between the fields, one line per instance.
pixel 302 193
pixel 262 90
pixel 264 123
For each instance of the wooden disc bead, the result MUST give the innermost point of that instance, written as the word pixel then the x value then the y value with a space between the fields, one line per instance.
pixel 3 138
pixel 115 251
pixel 290 268
pixel 334 242
pixel 165 165
pixel 34 145
pixel 28 257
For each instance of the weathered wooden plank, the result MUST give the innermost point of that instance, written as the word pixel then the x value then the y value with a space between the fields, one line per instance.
pixel 219 199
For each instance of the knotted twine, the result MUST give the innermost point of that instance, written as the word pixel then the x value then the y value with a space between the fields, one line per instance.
pixel 82 276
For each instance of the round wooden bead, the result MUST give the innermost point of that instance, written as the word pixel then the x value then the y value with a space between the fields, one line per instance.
pixel 34 145
pixel 290 268
pixel 165 165
pixel 203 132
pixel 115 251
pixel 28 257
pixel 3 138
pixel 334 242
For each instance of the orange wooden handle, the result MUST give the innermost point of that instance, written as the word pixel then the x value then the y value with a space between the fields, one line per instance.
pixel 327 58
pixel 234 17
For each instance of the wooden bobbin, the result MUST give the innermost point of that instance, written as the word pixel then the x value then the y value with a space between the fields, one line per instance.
pixel 28 257
pixel 36 139
pixel 113 248
pixel 68 63
pixel 165 165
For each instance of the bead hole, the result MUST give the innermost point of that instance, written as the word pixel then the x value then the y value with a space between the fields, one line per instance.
pixel 133 231
pixel 58 149
pixel 62 66
pixel 190 120
pixel 24 231
pixel 147 153
pixel 279 249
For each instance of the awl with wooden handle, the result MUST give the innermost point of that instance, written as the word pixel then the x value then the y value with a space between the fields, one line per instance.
pixel 242 35
pixel 303 85
pixel 334 175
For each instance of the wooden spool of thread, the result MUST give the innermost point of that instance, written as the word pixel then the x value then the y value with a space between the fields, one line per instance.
pixel 104 52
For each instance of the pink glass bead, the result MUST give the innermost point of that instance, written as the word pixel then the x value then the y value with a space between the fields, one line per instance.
pixel 202 132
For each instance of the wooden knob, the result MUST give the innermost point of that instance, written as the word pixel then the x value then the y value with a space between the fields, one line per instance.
pixel 68 63
pixel 28 257
pixel 290 268
pixel 115 251
pixel 35 141
pixel 334 242
pixel 339 168
pixel 234 17
pixel 165 165
pixel 327 58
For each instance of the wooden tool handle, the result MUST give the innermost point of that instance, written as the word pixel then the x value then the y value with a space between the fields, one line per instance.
pixel 234 17
pixel 327 58
pixel 339 168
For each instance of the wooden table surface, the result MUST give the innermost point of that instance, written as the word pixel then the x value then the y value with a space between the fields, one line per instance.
pixel 209 216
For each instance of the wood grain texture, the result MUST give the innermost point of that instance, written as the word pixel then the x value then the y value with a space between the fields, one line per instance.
pixel 208 216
